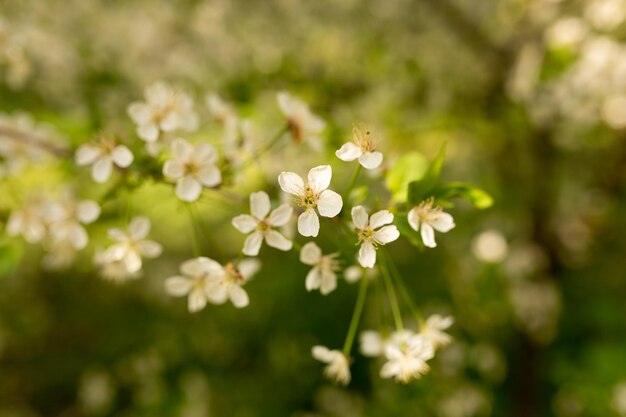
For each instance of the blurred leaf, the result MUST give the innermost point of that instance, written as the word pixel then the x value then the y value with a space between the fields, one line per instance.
pixel 10 256
pixel 405 230
pixel 421 189
pixel 479 198
pixel 410 167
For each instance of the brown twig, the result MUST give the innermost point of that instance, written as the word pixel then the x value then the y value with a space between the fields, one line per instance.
pixel 19 136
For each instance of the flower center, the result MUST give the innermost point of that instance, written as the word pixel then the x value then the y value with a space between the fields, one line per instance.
pixel 233 274
pixel 263 226
pixel 309 199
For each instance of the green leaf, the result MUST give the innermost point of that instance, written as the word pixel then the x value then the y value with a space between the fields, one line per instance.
pixel 422 189
pixel 479 198
pixel 410 167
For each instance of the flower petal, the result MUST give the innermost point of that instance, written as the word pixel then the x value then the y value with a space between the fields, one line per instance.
pixel 387 234
pixel 238 296
pixel 319 178
pixel 444 223
pixel 281 215
pixel 259 205
pixel 428 236
pixel 253 244
pixel 328 282
pixel 205 153
pixel 209 175
pixel 278 241
pixel 310 254
pixel 360 219
pixel 173 169
pixel 244 223
pixel 149 248
pixel 313 279
pixel 178 286
pixel 309 223
pixel 122 156
pixel 371 160
pixel 148 132
pixel 248 268
pixel 197 300
pixel 349 152
pixel 321 353
pixel 367 255
pixel 329 203
pixel 87 211
pixel 414 220
pixel 181 149
pixel 101 170
pixel 291 183
pixel 381 218
pixel 132 261
pixel 87 154
pixel 139 227
pixel 188 189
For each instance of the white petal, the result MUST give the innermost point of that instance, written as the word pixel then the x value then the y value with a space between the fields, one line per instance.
pixel 259 205
pixel 328 282
pixel 200 266
pixel 281 215
pixel 139 112
pixel 122 156
pixel 278 241
pixel 238 296
pixel 309 223
pixel 181 149
pixel 148 132
pixel 209 175
pixel 313 279
pixel 188 189
pixel 319 178
pixel 390 369
pixel 380 218
pixel 177 286
pixel 217 292
pixel 329 203
pixel 367 255
pixel 284 102
pixel 139 227
pixel 372 344
pixel 291 183
pixel 245 223
pixel 310 254
pixel 414 220
pixel 101 170
pixel 387 234
pixel 197 300
pixel 444 223
pixel 428 236
pixel 360 219
pixel 173 169
pixel 353 274
pixel 349 152
pixel 371 160
pixel 321 353
pixel 78 236
pixel 132 261
pixel 253 244
pixel 87 154
pixel 87 211
pixel 149 248
pixel 205 153
pixel 249 268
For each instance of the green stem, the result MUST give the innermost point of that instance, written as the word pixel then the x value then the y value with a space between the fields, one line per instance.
pixel 404 292
pixel 356 317
pixel 195 241
pixel 353 180
pixel 393 300
pixel 269 145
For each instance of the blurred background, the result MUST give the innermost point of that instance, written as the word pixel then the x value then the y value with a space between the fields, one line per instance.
pixel 530 96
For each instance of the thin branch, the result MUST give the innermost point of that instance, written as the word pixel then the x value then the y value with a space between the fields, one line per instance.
pixel 25 138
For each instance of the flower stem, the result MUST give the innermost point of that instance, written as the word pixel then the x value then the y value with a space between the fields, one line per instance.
pixel 356 317
pixel 391 292
pixel 353 180
pixel 404 292
pixel 269 145
pixel 195 241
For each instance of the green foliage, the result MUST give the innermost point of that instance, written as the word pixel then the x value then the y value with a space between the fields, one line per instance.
pixel 410 167
pixel 421 189
pixel 476 196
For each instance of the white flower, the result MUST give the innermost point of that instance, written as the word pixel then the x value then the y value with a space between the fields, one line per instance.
pixel 197 274
pixel 28 221
pixel 354 273
pixel 338 368
pixel 102 155
pixel 304 125
pixel 372 233
pixel 66 221
pixel 164 110
pixel 362 147
pixel 224 114
pixel 131 246
pixel 313 195
pixel 430 218
pixel 227 286
pixel 114 271
pixel 323 275
pixel 407 361
pixel 374 343
pixel 433 330
pixel 261 223
pixel 192 168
